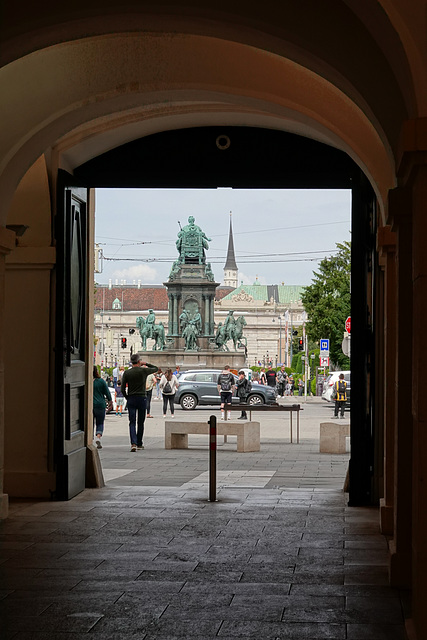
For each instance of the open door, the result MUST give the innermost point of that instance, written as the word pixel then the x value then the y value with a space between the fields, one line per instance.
pixel 71 296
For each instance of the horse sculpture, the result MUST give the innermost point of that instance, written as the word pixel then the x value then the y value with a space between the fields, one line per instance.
pixel 236 333
pixel 156 331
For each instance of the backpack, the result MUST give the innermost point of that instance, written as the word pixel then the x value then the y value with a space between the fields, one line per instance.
pixel 341 386
pixel 167 388
pixel 248 386
pixel 225 381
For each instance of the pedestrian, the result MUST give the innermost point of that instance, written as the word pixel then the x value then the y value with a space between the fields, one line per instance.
pixel 101 395
pixel 168 386
pixel 226 385
pixel 292 381
pixel 262 377
pixel 243 387
pixel 133 386
pixel 282 378
pixel 300 387
pixel 115 375
pixel 270 375
pixel 120 401
pixel 176 372
pixel 158 375
pixel 340 396
pixel 149 386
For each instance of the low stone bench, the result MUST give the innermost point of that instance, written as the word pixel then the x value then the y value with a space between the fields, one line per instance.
pixel 332 436
pixel 248 433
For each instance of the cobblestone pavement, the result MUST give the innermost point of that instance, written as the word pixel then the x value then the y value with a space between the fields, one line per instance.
pixel 279 555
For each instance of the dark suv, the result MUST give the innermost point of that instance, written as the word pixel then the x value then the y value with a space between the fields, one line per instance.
pixel 200 387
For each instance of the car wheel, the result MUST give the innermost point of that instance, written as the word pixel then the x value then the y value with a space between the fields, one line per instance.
pixel 256 399
pixel 188 402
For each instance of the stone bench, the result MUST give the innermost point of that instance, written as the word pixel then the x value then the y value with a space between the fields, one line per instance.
pixel 248 433
pixel 333 435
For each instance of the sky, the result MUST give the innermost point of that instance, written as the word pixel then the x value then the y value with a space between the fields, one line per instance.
pixel 279 235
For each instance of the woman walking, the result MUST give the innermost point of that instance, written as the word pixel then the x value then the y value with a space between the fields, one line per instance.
pixel 101 394
pixel 168 386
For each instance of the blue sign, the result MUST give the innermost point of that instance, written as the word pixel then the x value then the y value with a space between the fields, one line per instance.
pixel 324 345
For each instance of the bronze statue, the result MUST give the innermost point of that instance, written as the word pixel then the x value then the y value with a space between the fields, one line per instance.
pixel 190 336
pixel 220 338
pixel 191 243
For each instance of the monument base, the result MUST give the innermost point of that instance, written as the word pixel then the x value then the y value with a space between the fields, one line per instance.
pixel 203 359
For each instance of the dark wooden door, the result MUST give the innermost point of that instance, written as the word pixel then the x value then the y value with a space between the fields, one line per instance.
pixel 71 296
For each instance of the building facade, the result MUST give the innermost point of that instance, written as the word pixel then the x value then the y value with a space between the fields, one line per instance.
pixel 271 313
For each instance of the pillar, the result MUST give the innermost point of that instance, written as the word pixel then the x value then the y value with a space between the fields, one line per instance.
pixel 7 243
pixel 400 546
pixel 207 314
pixel 386 244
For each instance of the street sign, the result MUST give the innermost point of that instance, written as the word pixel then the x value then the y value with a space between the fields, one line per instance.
pixel 324 347
pixel 324 361
pixel 348 324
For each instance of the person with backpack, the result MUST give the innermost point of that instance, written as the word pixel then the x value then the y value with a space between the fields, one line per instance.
pixel 243 388
pixel 340 396
pixel 281 379
pixel 226 385
pixel 168 386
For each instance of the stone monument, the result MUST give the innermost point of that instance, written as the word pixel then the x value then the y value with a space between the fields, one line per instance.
pixel 192 341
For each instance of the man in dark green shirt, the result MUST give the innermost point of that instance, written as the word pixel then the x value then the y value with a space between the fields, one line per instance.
pixel 134 390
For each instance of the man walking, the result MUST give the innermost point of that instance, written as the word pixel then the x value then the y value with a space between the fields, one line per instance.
pixel 134 390
pixel 340 395
pixel 243 388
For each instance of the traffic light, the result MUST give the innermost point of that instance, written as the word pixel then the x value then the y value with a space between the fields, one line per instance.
pixel 300 344
pixel 124 343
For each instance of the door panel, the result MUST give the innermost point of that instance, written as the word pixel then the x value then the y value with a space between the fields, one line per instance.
pixel 71 348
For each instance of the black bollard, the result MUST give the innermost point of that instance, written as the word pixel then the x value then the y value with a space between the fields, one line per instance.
pixel 212 458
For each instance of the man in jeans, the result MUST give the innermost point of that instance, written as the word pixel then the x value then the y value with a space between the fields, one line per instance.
pixel 134 390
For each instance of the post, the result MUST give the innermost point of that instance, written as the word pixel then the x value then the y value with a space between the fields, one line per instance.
pixel 212 458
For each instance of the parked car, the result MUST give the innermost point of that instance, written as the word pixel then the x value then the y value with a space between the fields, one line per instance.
pixel 200 387
pixel 328 385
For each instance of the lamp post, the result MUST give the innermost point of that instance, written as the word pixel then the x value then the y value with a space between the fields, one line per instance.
pixel 304 318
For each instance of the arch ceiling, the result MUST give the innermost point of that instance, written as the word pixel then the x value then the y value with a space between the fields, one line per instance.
pixel 339 72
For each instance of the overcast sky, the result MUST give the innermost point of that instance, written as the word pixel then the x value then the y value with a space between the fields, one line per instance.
pixel 279 235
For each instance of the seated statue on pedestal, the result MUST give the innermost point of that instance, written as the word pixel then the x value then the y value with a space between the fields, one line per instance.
pixel 191 244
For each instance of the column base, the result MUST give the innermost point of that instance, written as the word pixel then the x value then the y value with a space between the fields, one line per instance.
pixel 400 567
pixel 386 518
pixel 4 506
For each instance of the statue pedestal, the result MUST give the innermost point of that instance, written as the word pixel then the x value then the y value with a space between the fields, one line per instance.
pixel 203 359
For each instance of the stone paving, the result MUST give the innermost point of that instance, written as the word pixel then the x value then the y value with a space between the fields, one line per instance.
pixel 279 555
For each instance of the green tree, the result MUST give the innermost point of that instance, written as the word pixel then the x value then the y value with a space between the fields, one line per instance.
pixel 327 302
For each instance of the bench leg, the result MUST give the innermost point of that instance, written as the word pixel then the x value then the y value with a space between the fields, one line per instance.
pixel 178 441
pixel 247 444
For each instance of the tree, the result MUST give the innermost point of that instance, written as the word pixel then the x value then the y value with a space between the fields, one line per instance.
pixel 327 302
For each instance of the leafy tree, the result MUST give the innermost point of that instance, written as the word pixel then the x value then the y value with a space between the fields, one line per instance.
pixel 327 302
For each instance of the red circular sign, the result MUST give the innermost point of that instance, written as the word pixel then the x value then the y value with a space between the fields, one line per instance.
pixel 348 324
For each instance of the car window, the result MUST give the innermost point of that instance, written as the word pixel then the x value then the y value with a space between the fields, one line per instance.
pixel 203 377
pixel 347 377
pixel 189 377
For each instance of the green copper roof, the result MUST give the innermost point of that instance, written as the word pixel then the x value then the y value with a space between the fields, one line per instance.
pixel 282 294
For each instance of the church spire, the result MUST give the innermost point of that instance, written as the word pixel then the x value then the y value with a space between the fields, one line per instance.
pixel 230 267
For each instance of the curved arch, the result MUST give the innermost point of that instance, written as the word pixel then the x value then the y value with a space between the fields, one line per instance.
pixel 126 79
